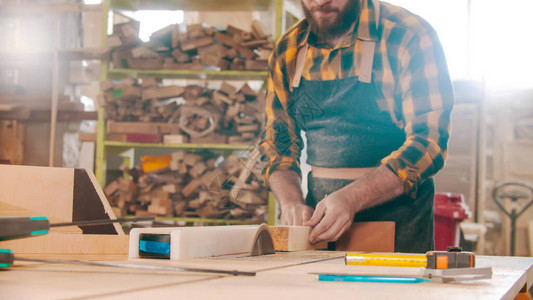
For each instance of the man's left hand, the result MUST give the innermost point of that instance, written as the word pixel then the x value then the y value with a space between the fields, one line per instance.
pixel 332 217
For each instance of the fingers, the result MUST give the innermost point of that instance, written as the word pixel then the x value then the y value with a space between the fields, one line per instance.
pixel 296 216
pixel 325 224
pixel 343 230
pixel 331 233
pixel 306 215
pixel 317 216
pixel 288 219
pixel 330 228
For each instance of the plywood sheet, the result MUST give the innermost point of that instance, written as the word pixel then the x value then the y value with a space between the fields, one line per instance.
pixel 301 282
pixel 287 275
pixel 30 187
pixel 57 281
pixel 60 194
pixel 10 210
pixel 69 243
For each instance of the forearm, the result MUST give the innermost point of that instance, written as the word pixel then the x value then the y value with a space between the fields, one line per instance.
pixel 286 187
pixel 375 188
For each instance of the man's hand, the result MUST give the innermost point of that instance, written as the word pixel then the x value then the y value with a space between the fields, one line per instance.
pixel 295 214
pixel 332 217
pixel 335 213
pixel 286 188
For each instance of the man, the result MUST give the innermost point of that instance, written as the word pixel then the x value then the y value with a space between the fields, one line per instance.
pixel 368 83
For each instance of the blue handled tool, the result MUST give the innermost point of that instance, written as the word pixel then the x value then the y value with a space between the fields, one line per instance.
pixel 22 227
pixel 366 278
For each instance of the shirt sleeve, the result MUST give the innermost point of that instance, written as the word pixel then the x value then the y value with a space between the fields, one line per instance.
pixel 425 94
pixel 281 142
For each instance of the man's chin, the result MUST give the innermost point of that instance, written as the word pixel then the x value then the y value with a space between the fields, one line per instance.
pixel 325 29
pixel 325 25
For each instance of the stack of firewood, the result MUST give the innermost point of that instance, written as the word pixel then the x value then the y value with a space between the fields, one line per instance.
pixel 192 185
pixel 198 48
pixel 147 112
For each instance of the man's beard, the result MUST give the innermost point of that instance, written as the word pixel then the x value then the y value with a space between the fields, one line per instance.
pixel 331 29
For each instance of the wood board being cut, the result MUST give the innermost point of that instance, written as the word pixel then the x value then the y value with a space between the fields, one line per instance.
pixel 293 238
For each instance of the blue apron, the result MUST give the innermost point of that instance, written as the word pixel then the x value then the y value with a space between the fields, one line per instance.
pixel 346 129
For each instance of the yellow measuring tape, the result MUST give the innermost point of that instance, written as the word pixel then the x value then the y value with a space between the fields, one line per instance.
pixel 388 260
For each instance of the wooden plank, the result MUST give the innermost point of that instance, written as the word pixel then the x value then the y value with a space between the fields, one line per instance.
pixel 12 139
pixel 530 237
pixel 281 276
pixel 293 238
pixel 175 139
pixel 163 92
pixel 368 237
pixel 196 43
pixel 10 210
pixel 257 30
pixel 300 281
pixel 45 190
pixel 228 89
pixel 255 64
pixel 132 127
pixel 87 136
pixel 69 243
pixel 62 194
pixel 143 137
pixel 59 281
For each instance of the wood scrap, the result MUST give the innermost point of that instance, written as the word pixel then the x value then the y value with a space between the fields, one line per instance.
pixel 195 186
pixel 194 113
pixel 208 46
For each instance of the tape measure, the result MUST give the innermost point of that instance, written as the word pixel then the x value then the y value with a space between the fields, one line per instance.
pixel 388 260
pixel 453 258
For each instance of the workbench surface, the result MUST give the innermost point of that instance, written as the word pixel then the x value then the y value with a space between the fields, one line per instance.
pixel 284 275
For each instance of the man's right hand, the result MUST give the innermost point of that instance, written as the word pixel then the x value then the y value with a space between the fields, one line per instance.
pixel 295 214
pixel 286 187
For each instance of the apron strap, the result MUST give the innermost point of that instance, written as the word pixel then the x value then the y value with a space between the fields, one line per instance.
pixel 365 68
pixel 300 62
pixel 367 61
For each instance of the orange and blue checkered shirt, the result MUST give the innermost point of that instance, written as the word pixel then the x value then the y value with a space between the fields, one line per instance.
pixel 409 73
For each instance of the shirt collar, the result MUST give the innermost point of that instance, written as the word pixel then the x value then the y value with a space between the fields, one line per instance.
pixel 366 27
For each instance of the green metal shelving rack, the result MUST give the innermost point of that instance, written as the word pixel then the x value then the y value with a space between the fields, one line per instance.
pixel 103 147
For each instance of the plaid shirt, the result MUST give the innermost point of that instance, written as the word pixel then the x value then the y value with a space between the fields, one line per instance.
pixel 409 73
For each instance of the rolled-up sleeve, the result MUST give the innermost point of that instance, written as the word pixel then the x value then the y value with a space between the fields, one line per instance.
pixel 281 142
pixel 425 94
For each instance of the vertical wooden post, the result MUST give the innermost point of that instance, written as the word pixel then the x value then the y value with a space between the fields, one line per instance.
pixel 101 156
pixel 53 108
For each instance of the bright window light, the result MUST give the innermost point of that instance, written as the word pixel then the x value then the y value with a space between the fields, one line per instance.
pixel 153 20
pixel 501 43
pixel 484 40
pixel 92 2
pixel 450 20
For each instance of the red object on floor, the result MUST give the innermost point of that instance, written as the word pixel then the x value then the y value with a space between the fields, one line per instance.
pixel 449 210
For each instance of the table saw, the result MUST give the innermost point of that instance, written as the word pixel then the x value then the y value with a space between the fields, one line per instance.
pixel 281 275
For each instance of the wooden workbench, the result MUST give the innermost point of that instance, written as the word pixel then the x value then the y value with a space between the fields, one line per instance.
pixel 279 276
